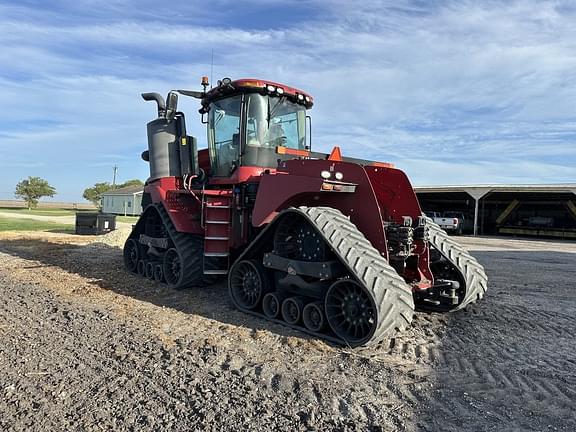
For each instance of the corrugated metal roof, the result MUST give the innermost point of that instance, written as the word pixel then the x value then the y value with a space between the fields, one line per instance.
pixel 561 187
pixel 130 190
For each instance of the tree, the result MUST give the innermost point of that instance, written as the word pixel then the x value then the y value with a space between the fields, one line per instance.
pixel 94 193
pixel 134 182
pixel 32 189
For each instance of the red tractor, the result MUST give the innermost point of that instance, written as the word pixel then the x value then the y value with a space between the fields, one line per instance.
pixel 334 246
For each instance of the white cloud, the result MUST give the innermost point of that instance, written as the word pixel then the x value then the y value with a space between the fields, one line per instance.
pixel 469 88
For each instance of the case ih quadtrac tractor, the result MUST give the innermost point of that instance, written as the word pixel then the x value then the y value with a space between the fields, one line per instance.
pixel 334 246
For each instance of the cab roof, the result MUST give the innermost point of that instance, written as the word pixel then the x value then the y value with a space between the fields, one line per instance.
pixel 227 87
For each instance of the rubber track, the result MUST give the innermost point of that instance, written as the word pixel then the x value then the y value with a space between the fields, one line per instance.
pixel 391 294
pixel 191 250
pixel 476 281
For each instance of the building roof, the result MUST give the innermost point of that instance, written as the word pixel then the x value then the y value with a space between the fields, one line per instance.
pixel 129 190
pixel 561 187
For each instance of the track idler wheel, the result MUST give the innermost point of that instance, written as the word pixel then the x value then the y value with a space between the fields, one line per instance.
pixel 172 268
pixel 248 283
pixel 351 312
pixel 132 253
pixel 292 310
pixel 313 316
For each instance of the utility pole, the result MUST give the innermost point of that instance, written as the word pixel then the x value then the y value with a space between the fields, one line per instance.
pixel 114 177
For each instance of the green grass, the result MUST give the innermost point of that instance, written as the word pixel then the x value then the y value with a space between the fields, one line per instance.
pixel 127 219
pixel 15 224
pixel 40 212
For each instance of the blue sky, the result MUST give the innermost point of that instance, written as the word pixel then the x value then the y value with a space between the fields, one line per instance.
pixel 452 92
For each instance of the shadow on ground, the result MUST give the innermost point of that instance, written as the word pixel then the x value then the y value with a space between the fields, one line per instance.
pixel 103 265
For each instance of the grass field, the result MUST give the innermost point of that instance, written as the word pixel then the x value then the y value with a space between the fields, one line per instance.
pixel 127 219
pixel 40 212
pixel 15 224
pixel 9 224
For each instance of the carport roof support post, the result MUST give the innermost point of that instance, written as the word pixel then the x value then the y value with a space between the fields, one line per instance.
pixel 477 193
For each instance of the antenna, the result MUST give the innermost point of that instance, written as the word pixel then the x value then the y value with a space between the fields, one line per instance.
pixel 212 68
pixel 115 169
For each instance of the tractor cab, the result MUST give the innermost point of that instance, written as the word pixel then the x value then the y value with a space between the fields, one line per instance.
pixel 249 120
pixel 251 125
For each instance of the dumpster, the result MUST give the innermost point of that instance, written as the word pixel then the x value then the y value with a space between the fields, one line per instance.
pixel 94 223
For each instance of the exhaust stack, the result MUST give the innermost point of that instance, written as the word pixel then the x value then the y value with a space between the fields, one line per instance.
pixel 171 152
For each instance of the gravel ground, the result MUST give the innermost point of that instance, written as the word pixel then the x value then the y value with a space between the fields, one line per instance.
pixel 85 346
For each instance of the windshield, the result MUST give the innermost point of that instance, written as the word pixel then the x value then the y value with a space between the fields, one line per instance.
pixel 274 121
pixel 224 135
pixel 269 122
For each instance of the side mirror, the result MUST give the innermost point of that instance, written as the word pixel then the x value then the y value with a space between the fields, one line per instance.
pixel 171 105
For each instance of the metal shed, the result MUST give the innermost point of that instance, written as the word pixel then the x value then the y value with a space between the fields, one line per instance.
pixel 547 210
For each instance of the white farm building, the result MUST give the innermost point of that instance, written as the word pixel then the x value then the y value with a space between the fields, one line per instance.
pixel 125 201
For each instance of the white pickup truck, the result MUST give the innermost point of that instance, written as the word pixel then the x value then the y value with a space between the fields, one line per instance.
pixel 449 222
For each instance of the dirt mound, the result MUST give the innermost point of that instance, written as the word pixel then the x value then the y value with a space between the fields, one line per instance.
pixel 115 238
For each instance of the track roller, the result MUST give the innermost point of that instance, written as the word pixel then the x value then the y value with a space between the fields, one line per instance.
pixel 150 270
pixel 141 268
pixel 158 273
pixel 271 305
pixel 313 316
pixel 292 309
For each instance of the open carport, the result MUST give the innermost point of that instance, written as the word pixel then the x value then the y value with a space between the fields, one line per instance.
pixel 527 210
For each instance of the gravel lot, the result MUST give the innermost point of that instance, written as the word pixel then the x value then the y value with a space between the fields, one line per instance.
pixel 84 346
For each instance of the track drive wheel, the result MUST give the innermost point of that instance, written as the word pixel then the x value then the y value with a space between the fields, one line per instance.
pixel 248 282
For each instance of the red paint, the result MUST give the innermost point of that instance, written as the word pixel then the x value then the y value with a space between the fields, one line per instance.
pixel 382 194
pixel 242 174
pixel 302 187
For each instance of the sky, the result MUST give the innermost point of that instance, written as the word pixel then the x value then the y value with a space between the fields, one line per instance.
pixel 451 92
